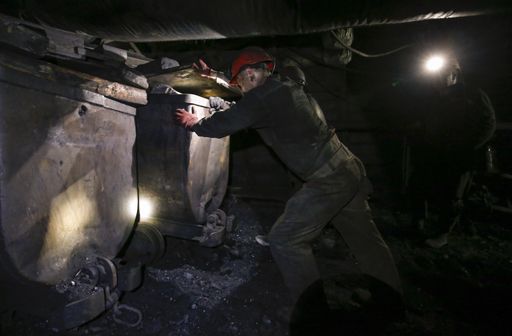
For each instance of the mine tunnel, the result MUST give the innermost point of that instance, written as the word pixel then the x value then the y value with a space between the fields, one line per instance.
pixel 255 168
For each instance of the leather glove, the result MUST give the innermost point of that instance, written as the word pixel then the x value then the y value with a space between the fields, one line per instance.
pixel 218 103
pixel 185 118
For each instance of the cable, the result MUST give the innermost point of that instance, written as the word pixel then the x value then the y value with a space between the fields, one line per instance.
pixel 360 53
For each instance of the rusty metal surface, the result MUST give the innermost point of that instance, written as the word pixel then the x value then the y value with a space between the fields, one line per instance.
pixel 184 176
pixel 66 180
pixel 186 79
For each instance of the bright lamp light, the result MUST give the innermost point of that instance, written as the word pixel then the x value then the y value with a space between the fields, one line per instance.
pixel 435 63
pixel 145 207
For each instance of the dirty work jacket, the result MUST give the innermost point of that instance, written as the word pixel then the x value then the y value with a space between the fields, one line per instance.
pixel 460 119
pixel 287 122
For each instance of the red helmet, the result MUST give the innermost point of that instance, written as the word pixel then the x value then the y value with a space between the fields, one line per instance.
pixel 250 56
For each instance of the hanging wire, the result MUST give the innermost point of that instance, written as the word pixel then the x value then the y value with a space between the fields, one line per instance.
pixel 360 53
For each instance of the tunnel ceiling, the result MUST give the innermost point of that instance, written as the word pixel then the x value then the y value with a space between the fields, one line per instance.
pixel 172 20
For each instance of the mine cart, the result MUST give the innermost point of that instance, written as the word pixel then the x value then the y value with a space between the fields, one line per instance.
pixel 182 177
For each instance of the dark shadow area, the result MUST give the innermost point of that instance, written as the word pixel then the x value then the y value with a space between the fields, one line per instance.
pixel 236 289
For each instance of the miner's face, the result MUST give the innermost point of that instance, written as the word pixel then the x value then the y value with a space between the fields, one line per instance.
pixel 249 78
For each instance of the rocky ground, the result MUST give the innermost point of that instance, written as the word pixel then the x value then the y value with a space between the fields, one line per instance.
pixel 463 288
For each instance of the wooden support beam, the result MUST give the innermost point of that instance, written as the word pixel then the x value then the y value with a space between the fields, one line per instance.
pixel 57 74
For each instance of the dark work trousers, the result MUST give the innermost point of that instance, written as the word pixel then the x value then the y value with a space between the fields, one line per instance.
pixel 340 197
pixel 440 179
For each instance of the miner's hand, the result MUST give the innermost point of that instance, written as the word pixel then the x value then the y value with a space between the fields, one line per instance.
pixel 203 68
pixel 185 118
pixel 218 104
pixel 205 71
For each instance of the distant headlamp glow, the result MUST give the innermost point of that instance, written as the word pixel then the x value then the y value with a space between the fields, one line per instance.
pixel 434 63
pixel 145 208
